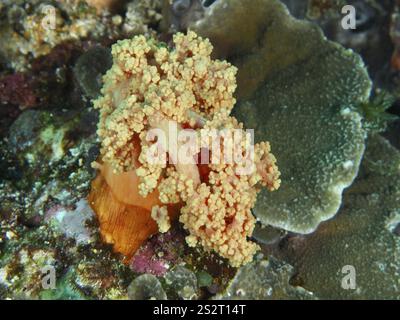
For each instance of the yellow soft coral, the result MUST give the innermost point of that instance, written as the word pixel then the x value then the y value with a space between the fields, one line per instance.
pixel 151 86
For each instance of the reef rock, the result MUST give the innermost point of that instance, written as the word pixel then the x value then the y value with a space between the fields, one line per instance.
pixel 264 280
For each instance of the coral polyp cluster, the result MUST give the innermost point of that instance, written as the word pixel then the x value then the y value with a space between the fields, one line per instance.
pixel 149 84
pixel 182 90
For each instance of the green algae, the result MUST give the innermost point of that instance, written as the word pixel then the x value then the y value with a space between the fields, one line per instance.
pixel 204 279
pixel 374 111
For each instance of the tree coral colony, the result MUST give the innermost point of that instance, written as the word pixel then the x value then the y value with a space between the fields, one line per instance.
pixel 151 87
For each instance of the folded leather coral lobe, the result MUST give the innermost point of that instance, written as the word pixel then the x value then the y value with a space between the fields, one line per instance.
pixel 151 86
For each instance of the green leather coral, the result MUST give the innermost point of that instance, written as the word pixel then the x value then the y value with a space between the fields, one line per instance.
pixel 363 235
pixel 298 89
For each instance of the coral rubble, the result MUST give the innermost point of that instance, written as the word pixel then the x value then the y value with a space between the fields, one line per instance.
pixel 30 29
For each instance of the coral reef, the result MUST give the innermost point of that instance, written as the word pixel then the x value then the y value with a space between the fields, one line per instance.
pixel 29 279
pixel 265 280
pixel 83 270
pixel 117 235
pixel 31 29
pixel 141 17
